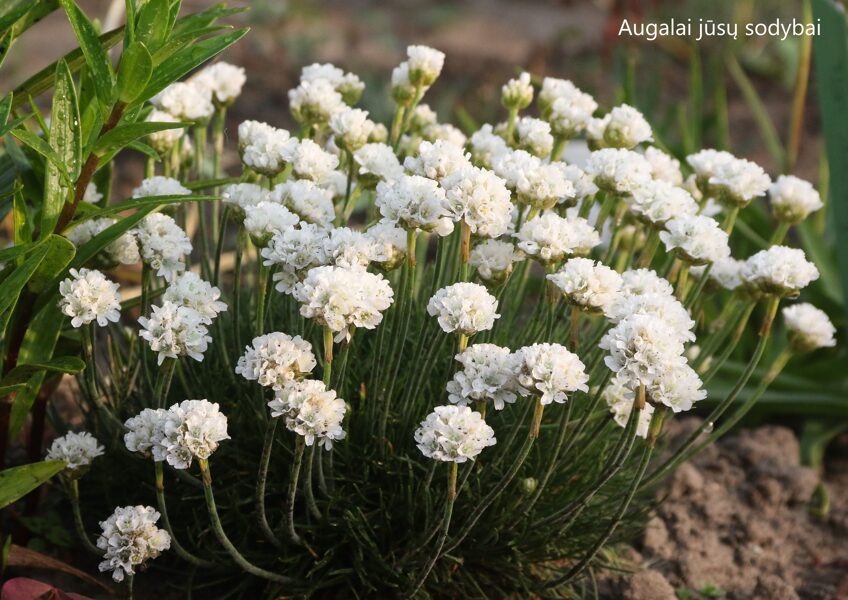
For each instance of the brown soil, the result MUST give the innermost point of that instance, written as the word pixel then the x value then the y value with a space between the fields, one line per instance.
pixel 737 518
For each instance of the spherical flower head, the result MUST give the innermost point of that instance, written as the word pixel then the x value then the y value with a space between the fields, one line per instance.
pixel 663 166
pixel 202 426
pixel 377 162
pixel 311 161
pixel 640 346
pixel 436 160
pixel 644 281
pixel 347 84
pixel 223 80
pixel 188 289
pixel 238 196
pixel 656 202
pixel 534 136
pixel 736 182
pixel 124 250
pixel 565 107
pixel 487 374
pixel 537 184
pixel 677 386
pixel 186 101
pixel 793 199
pixel 779 271
pixel 342 298
pixel 696 239
pixel 160 186
pixel 275 359
pixel 517 93
pixel 350 248
pixel 549 238
pixel 293 252
pixel 724 274
pixel 163 141
pixel 252 132
pixel 76 450
pixel 267 219
pixel 314 102
pixel 706 162
pixel 311 410
pixel 664 307
pixel 145 433
pixel 480 199
pixel 453 434
pixel 265 149
pixel 129 539
pixel 425 65
pixel 351 128
pixel 586 284
pixel 389 244
pixel 422 117
pixel 173 331
pixel 414 202
pixel 306 199
pixel 464 308
pixel 402 89
pixel 493 260
pixel 164 245
pixel 583 185
pixel 87 295
pixel 550 372
pixel 618 171
pixel 808 328
pixel 620 397
pixel 485 145
pixel 446 133
pixel 626 127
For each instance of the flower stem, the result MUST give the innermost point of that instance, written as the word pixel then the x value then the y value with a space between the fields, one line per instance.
pixel 163 510
pixel 730 220
pixel 261 479
pixel 682 280
pixel 299 445
pixel 464 250
pixel 575 328
pixel 263 275
pixel 307 484
pixel 240 560
pixel 73 494
pixel 163 382
pixel 241 245
pixel 779 233
pixel 328 355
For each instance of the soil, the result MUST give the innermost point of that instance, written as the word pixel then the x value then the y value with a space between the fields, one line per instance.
pixel 737 521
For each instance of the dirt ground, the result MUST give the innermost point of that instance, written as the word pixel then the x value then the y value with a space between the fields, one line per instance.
pixel 735 524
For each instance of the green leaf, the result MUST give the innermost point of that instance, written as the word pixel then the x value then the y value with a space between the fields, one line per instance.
pixel 17 482
pixel 15 282
pixel 61 364
pixel 40 146
pixel 134 72
pixel 8 254
pixel 129 132
pixel 5 390
pixel 60 251
pixel 65 140
pixel 99 65
pixel 142 203
pixel 5 108
pixel 152 24
pixel 23 222
pixel 12 10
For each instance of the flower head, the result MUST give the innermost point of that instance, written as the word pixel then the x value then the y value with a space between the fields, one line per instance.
pixel 565 106
pixel 644 281
pixel 677 386
pixel 620 397
pixel 738 181
pixel 265 149
pixel 185 100
pixel 485 145
pixel 696 239
pixel 550 372
pixel 188 289
pixel 311 161
pixel 549 238
pixel 173 331
pixel 617 170
pixel 534 136
pixel 793 199
pixel 307 200
pixel 808 327
pixel 487 374
pixel 347 84
pixel 656 202
pixel 87 295
pixel 493 260
pixel 267 219
pixel 192 429
pixel 129 539
pixel 517 93
pixel 663 166
pixel 466 308
pixel 351 128
pixel 641 345
pixel 425 65
pixel 377 162
pixel 537 184
pixel 223 80
pixel 275 359
pixel 310 410
pixel 160 186
pixel 779 270
pixel 586 284
pixel 481 199
pixel 414 202
pixel 164 245
pixel 626 128
pixel 436 160
pixel 145 433
pixel 453 434
pixel 76 450
pixel 389 244
pixel 313 102
pixel 293 252
pixel 663 306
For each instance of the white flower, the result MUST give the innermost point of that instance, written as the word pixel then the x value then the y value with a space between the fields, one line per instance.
pixel 487 374
pixel 265 149
pixel 485 145
pixel 466 308
pixel 402 89
pixel 275 359
pixel 130 538
pixel 310 410
pixel 550 372
pixel 664 307
pixel 617 170
pixel 190 290
pixel 566 107
pixel 347 84
pixel 76 450
pixel 626 127
pixel 436 160
pixel 163 141
pixel 706 162
pixel 793 199
pixel 549 238
pixel 160 186
pixel 314 102
pixel 310 161
pixel 193 429
pixel 307 200
pixel 493 260
pixel 413 201
pixel 145 433
pixel 422 117
pixel 808 327
pixel 223 80
pixel 534 136
pixel 517 93
pixel 350 249
pixel 123 250
pixel 644 281
pixel 389 244
pixel 583 184
pixel 779 270
pixel 91 195
pixel 253 132
pixel 589 285
pixel 425 64
pixel 481 199
pixel 342 298
pixel 536 183
pixel 620 397
pixel 453 434
pixel 663 166
pixel 657 201
pixel 174 331
pixel 444 132
pixel 739 181
pixel 242 195
pixel 696 239
pixel 163 245
pixel 377 162
pixel 267 219
pixel 642 345
pixel 294 252
pixel 677 386
pixel 726 273
pixel 87 295
pixel 351 128
pixel 186 101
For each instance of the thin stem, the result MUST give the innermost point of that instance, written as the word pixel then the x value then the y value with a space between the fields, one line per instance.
pixel 328 355
pixel 779 233
pixel 163 382
pixel 261 479
pixel 299 446
pixel 682 280
pixel 73 494
pixel 730 220
pixel 464 250
pixel 163 511
pixel 130 582
pixel 575 328
pixel 307 484
pixel 240 560
pixel 799 98
pixel 263 275
pixel 241 244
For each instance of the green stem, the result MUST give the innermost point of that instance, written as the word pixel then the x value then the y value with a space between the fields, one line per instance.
pixel 779 233
pixel 328 355
pixel 295 475
pixel 163 511
pixel 261 479
pixel 308 493
pixel 163 382
pixel 73 494
pixel 730 220
pixel 241 245
pixel 263 275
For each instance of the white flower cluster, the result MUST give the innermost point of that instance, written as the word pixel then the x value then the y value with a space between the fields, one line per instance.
pixel 160 186
pixel 163 245
pixel 738 181
pixel 625 127
pixel 186 101
pixel 487 374
pixel 189 290
pixel 347 84
pixel 76 450
pixel 657 201
pixel 465 308
pixel 310 410
pixel 263 148
pixel 129 539
pixel 266 219
pixel 377 162
pixel 294 252
pixel 275 359
pixel 793 199
pixel 415 202
pixel 493 260
pixel 618 171
pixel 779 270
pixel 566 107
pixel 165 140
pixel 620 398
pixel 223 82
pixel 453 434
pixel 535 183
pixel 549 238
pixel 517 93
pixel 550 372
pixel 87 295
pixel 696 239
pixel 664 167
pixel 174 330
pixel 124 250
pixel 481 199
pixel 240 196
pixel 809 328
pixel 587 284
